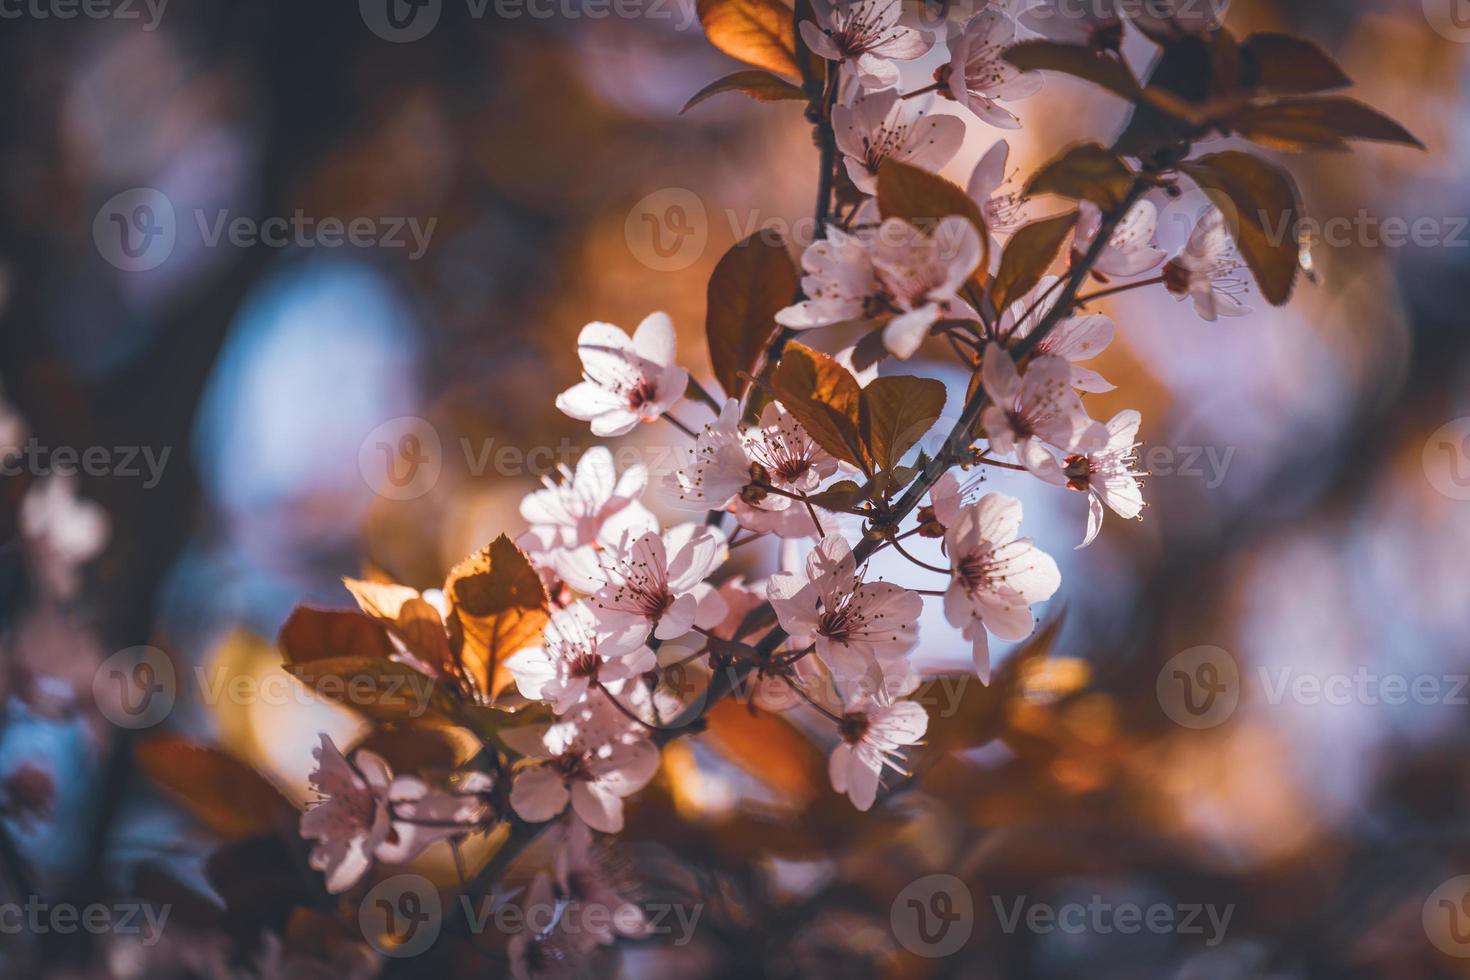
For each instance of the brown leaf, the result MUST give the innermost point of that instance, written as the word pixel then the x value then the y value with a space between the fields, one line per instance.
pixel 497 605
pixel 1262 201
pixel 1086 172
pixel 318 634
pixel 768 747
pixel 1288 64
pixel 924 199
pixel 759 85
pixel 754 281
pixel 896 413
pixel 757 32
pixel 407 615
pixel 825 399
pixel 1027 256
pixel 1323 123
pixel 1077 60
pixel 223 793
pixel 385 690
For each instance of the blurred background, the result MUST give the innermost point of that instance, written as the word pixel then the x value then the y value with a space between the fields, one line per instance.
pixel 512 172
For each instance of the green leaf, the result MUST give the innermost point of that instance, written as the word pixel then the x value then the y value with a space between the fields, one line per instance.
pixel 840 496
pixel 1087 172
pixel 1287 64
pixel 384 690
pixel 1028 255
pixel 896 413
pixel 825 399
pixel 1261 201
pixel 223 793
pixel 1322 123
pixel 1077 60
pixel 754 281
pixel 759 85
pixel 757 32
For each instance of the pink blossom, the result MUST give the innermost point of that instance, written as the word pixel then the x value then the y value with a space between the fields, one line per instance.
pixel 626 380
pixel 979 78
pixel 1104 471
pixel 880 126
pixel 1028 413
pixel 873 731
pixel 591 506
pixel 866 37
pixel 574 655
pixel 996 576
pixel 1205 271
pixel 860 629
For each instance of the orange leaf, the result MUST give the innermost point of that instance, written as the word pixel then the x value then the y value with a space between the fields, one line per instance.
pixel 757 32
pixel 769 748
pixel 317 634
pixel 223 793
pixel 497 605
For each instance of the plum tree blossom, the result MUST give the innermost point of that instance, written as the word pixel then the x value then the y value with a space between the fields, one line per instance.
pixel 1129 250
pixel 873 731
pixel 350 820
pixel 653 581
pixel 978 78
pixel 626 380
pixel 1105 473
pixel 592 760
pixel 860 629
pixel 905 274
pixel 591 506
pixel 1097 24
pixel 587 875
pixel 575 654
pixel 1205 270
pixel 996 576
pixel 881 126
pixel 1001 210
pixel 1030 412
pixel 865 36
pixel 1074 338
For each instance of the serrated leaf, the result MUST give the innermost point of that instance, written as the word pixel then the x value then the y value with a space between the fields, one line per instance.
pixel 407 615
pixel 840 496
pixel 759 85
pixel 385 690
pixel 1077 60
pixel 1027 256
pixel 319 634
pixel 1263 200
pixel 825 399
pixel 1287 64
pixel 924 199
pixel 497 605
pixel 753 282
pixel 1088 173
pixel 896 413
pixel 757 32
pixel 1322 123
pixel 230 798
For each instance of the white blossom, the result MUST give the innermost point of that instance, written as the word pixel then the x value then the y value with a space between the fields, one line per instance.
pixel 979 78
pixel 1104 471
pixel 873 731
pixel 866 37
pixel 1205 271
pixel 627 380
pixel 882 126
